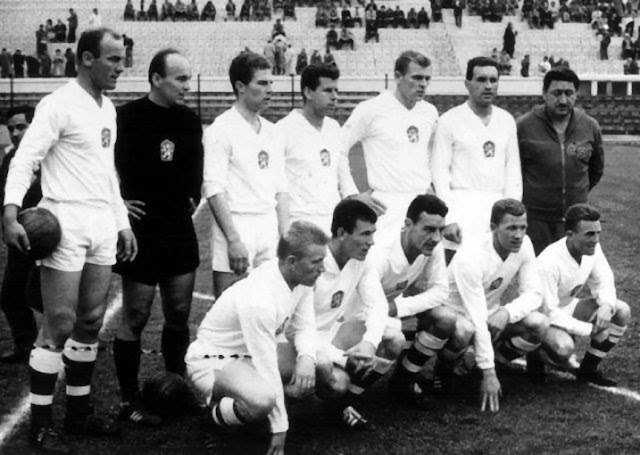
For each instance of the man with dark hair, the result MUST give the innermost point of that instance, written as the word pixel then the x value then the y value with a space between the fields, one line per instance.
pixel 244 176
pixel 73 25
pixel 478 276
pixel 18 63
pixel 72 136
pixel 562 156
pixel 395 130
pixel 19 275
pixel 159 158
pixel 262 333
pixel 316 161
pixel 475 166
pixel 351 312
pixel 566 267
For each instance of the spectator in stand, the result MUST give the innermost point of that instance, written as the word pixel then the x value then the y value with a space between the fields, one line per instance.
pixel 289 66
pixel 524 66
pixel 504 63
pixel 142 14
pixel 346 39
pixel 289 10
pixel 167 11
pixel 346 17
pixel 565 13
pixel 18 63
pixel 546 16
pixel 41 40
pixel 381 17
pixel 73 25
pixel 322 18
pixel 423 18
pixel 278 29
pixel 269 53
pixel 316 58
pixel 152 13
pixel 60 31
pixel 436 10
pixel 412 18
pixel 265 9
pixel 209 12
pixel 70 69
pixel 192 11
pixel 49 31
pixel 631 66
pixel 280 48
pixel 45 64
pixel 6 64
pixel 58 62
pixel 604 43
pixel 356 17
pixel 128 51
pixel 628 24
pixel 301 61
pixel 389 17
pixel 627 47
pixel 527 9
pixel 245 11
pixel 180 13
pixel 509 40
pixel 329 59
pixel 399 19
pixel 230 8
pixel 332 37
pixel 334 19
pixel 495 56
pixel 33 65
pixel 458 6
pixel 544 66
pixel 370 24
pixel 95 21
pixel 129 11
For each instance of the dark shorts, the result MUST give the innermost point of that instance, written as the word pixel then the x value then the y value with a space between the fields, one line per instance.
pixel 167 247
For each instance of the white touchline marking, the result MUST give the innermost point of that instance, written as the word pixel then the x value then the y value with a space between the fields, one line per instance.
pixel 113 308
pixel 201 296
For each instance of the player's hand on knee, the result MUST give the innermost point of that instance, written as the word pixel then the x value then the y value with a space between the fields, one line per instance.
pixel 127 245
pixel 360 357
pixel 276 445
pixel 135 208
pixel 15 236
pixel 452 233
pixel 497 322
pixel 376 204
pixel 303 380
pixel 238 257
pixel 603 318
pixel 490 391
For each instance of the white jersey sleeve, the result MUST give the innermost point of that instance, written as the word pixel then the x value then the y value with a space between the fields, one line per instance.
pixel 512 170
pixel 441 157
pixel 302 327
pixel 372 295
pixel 217 154
pixel 530 289
pixel 601 280
pixel 356 127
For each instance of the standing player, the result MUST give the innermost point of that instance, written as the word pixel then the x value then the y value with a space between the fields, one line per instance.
pixel 395 130
pixel 316 162
pixel 244 176
pixel 351 311
pixel 566 266
pixel 476 165
pixel 478 276
pixel 562 157
pixel 159 160
pixel 19 273
pixel 235 360
pixel 73 135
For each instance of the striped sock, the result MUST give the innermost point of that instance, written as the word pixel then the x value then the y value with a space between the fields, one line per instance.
pixel 511 349
pixel 225 413
pixel 425 346
pixel 380 367
pixel 79 359
pixel 599 349
pixel 44 366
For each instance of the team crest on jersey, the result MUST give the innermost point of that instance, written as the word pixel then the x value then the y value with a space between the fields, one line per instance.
pixel 400 286
pixel 489 149
pixel 325 157
pixel 580 150
pixel 336 299
pixel 263 160
pixel 166 150
pixel 280 329
pixel 413 133
pixel 105 137
pixel 495 284
pixel 575 290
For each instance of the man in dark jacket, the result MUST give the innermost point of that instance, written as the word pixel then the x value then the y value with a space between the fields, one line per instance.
pixel 561 154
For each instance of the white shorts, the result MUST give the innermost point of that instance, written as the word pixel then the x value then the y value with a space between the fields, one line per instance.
pixel 89 235
pixel 389 225
pixel 258 233
pixel 322 221
pixel 202 364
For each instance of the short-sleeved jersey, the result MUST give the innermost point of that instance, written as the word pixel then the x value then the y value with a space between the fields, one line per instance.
pixel 395 141
pixel 245 165
pixel 477 279
pixel 249 316
pixel 316 164
pixel 563 278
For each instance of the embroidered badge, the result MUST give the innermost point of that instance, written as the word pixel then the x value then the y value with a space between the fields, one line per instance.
pixel 413 134
pixel 105 136
pixel 580 150
pixel 495 284
pixel 325 157
pixel 263 160
pixel 336 299
pixel 489 149
pixel 166 150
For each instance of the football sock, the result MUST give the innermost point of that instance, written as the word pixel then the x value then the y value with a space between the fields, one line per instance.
pixel 174 346
pixel 44 365
pixel 79 359
pixel 598 349
pixel 511 349
pixel 126 355
pixel 425 346
pixel 225 413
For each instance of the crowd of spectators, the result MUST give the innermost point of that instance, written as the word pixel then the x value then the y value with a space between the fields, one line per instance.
pixel 39 64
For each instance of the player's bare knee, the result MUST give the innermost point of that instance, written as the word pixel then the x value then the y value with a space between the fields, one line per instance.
pixel 461 337
pixel 537 324
pixel 258 405
pixel 622 315
pixel 562 346
pixel 340 381
pixel 439 321
pixel 393 345
pixel 61 322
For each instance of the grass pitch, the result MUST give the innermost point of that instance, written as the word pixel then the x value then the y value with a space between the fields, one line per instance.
pixel 559 417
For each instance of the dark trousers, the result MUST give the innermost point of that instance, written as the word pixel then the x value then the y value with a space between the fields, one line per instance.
pixel 544 233
pixel 71 37
pixel 21 287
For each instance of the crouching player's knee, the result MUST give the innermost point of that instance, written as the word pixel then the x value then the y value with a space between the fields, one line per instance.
pixel 255 406
pixel 393 343
pixel 622 315
pixel 537 325
pixel 331 381
pixel 439 321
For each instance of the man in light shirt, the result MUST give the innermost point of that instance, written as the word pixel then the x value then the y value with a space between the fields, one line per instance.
pixel 566 267
pixel 258 324
pixel 475 165
pixel 351 312
pixel 395 130
pixel 316 161
pixel 244 177
pixel 478 276
pixel 72 135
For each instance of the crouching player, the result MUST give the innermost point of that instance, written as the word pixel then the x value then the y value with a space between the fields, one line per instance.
pixel 413 274
pixel 478 276
pixel 351 313
pixel 566 266
pixel 234 362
